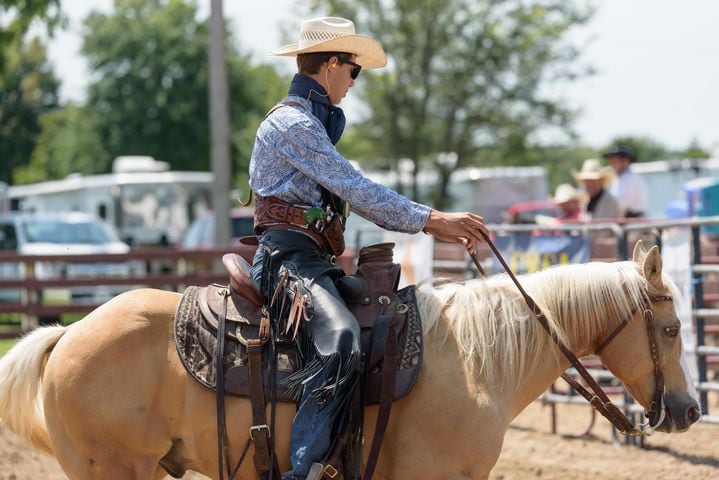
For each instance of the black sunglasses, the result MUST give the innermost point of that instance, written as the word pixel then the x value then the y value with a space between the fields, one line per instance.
pixel 356 69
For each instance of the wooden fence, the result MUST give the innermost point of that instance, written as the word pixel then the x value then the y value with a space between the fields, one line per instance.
pixel 163 268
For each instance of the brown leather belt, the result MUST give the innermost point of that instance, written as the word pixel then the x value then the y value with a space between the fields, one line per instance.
pixel 271 209
pixel 272 213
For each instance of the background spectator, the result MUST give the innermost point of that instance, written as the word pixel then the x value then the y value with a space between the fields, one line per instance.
pixel 628 187
pixel 570 201
pixel 593 177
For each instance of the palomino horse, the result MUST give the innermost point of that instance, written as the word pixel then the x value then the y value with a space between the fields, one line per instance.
pixel 110 399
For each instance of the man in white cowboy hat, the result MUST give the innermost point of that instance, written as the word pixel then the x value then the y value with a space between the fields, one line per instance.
pixel 594 178
pixel 570 201
pixel 304 189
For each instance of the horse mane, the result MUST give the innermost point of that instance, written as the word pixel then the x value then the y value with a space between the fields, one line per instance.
pixel 495 330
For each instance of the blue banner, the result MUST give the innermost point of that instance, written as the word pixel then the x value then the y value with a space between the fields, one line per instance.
pixel 527 253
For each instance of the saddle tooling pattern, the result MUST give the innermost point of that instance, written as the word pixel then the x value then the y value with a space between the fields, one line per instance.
pixel 196 342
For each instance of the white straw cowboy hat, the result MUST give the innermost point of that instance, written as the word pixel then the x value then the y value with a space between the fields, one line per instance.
pixel 566 192
pixel 592 170
pixel 334 34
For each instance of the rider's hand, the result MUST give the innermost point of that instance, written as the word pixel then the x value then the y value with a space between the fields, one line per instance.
pixel 457 227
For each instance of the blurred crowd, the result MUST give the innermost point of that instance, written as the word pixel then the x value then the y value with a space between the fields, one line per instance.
pixel 602 191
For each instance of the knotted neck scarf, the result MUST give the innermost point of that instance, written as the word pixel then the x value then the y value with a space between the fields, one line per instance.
pixel 333 118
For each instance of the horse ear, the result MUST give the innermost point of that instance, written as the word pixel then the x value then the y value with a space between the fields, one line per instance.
pixel 639 252
pixel 653 267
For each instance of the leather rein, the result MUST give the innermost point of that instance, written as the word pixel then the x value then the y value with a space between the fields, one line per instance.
pixel 594 394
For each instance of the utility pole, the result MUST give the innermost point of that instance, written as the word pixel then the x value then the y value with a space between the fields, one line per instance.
pixel 219 125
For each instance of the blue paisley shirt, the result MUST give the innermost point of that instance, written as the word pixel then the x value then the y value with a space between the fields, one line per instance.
pixel 293 156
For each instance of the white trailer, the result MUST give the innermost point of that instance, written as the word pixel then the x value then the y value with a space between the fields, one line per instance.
pixel 145 202
pixel 488 191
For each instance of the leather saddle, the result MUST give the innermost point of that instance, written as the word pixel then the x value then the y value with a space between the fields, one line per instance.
pixel 370 294
pixel 222 332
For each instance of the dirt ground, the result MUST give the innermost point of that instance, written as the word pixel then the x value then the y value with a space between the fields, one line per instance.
pixel 530 452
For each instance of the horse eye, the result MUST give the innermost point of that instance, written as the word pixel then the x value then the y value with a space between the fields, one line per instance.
pixel 671 331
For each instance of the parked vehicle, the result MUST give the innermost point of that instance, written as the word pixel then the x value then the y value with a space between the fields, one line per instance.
pixel 488 191
pixel 201 232
pixel 63 234
pixel 142 199
pixel 526 212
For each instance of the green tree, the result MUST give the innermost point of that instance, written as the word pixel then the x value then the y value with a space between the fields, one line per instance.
pixel 16 18
pixel 560 160
pixel 464 75
pixel 28 89
pixel 68 143
pixel 695 151
pixel 149 60
pixel 253 91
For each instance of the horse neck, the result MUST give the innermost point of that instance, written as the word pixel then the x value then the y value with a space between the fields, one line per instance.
pixel 589 308
pixel 535 381
pixel 585 327
pixel 586 311
pixel 465 389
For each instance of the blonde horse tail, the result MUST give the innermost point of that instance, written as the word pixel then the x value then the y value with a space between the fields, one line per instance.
pixel 21 372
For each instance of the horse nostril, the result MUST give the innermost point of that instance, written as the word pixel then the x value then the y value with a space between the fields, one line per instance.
pixel 693 414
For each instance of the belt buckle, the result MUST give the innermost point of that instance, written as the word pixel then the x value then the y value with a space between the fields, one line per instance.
pixel 329 472
pixel 257 428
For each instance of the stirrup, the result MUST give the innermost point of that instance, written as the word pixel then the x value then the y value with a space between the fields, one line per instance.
pixel 319 471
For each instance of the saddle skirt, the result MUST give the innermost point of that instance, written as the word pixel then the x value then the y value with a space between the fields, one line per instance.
pixel 195 331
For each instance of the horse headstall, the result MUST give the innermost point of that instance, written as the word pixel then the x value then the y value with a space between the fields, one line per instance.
pixel 656 411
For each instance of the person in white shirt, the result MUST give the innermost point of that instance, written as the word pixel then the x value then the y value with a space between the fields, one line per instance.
pixel 628 187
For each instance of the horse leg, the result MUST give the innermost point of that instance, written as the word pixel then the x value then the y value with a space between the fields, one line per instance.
pixel 110 399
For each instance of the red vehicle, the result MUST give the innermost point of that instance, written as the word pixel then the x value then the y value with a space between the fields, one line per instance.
pixel 526 212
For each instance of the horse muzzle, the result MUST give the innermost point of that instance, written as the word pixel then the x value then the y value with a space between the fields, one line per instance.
pixel 680 413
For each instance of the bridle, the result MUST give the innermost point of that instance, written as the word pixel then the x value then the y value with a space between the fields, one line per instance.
pixel 594 394
pixel 655 413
